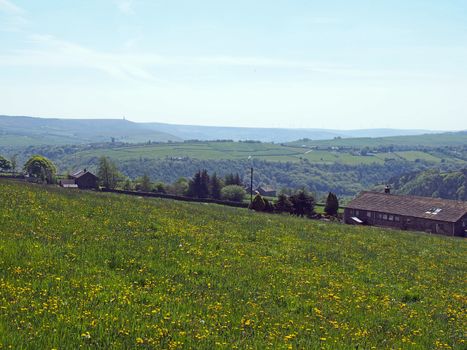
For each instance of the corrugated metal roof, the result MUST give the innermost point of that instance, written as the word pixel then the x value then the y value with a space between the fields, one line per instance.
pixel 414 206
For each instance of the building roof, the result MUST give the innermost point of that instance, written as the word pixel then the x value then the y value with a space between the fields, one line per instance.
pixel 267 188
pixel 80 173
pixel 413 206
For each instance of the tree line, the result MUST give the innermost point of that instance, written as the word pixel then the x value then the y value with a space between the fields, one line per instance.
pixel 200 185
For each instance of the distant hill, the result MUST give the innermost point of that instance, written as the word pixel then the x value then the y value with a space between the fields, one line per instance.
pixel 26 131
pixel 191 132
pixel 433 183
pixel 458 138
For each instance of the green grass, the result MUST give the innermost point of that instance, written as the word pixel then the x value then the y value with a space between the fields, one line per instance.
pixel 115 272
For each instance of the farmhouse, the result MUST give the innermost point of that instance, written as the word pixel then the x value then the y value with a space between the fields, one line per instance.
pixel 267 191
pixel 85 179
pixel 442 216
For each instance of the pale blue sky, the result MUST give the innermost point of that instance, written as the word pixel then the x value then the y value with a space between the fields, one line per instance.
pixel 280 63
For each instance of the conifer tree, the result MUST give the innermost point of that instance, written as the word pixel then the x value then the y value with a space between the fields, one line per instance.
pixel 215 186
pixel 303 203
pixel 199 185
pixel 332 204
pixel 283 204
pixel 258 203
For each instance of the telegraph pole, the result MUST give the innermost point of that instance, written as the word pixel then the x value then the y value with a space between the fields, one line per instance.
pixel 251 187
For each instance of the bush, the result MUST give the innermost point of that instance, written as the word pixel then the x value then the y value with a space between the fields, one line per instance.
pixel 233 193
pixel 128 186
pixel 159 187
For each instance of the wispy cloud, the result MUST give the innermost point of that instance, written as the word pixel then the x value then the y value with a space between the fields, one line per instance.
pixel 10 8
pixel 12 17
pixel 55 52
pixel 52 52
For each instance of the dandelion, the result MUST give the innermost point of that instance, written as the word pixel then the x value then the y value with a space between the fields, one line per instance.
pixel 86 335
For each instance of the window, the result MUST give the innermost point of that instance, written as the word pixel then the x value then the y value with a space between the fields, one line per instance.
pixel 391 217
pixel 357 212
pixel 368 214
pixel 385 216
pixel 433 211
pixel 397 218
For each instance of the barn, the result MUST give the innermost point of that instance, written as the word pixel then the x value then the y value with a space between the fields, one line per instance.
pixel 433 215
pixel 267 191
pixel 84 179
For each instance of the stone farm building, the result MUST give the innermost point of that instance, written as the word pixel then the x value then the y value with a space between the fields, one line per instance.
pixel 82 179
pixel 442 216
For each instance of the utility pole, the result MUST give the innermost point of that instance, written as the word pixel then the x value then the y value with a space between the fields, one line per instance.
pixel 251 187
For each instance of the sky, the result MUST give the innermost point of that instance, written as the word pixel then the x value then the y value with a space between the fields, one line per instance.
pixel 263 63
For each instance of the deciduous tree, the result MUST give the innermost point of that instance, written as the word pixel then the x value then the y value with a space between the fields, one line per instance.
pixel 5 164
pixel 41 167
pixel 233 193
pixel 108 173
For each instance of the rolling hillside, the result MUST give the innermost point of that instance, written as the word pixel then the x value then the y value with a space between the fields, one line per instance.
pixel 206 133
pixel 260 151
pixel 345 172
pixel 27 131
pixel 433 183
pixel 106 271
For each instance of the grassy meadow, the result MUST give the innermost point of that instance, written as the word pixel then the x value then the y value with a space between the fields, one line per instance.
pixel 86 270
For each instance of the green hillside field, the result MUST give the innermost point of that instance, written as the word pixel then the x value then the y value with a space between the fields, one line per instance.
pixel 242 150
pixel 90 270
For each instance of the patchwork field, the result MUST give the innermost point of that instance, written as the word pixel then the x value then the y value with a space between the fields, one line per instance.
pixel 106 271
pixel 242 150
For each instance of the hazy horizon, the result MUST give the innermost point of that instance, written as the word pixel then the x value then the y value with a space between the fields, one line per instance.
pixel 288 64
pixel 220 126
